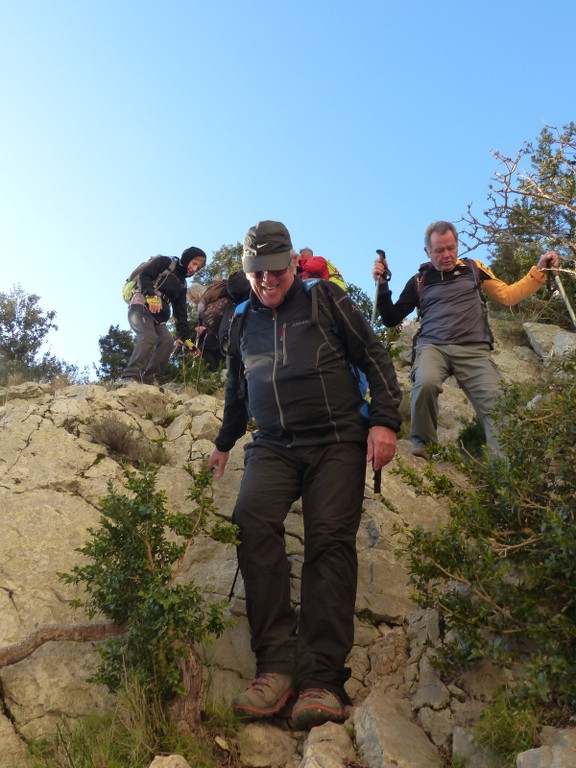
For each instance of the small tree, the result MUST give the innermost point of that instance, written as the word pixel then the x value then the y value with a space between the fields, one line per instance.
pixel 23 326
pixel 226 260
pixel 131 575
pixel 115 350
pixel 23 329
pixel 531 209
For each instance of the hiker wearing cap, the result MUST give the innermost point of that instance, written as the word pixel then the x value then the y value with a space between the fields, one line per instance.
pixel 454 337
pixel 160 291
pixel 311 442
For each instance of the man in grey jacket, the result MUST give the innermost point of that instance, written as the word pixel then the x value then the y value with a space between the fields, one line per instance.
pixel 454 338
pixel 311 441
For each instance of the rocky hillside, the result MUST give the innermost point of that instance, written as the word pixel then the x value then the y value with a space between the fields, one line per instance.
pixel 54 468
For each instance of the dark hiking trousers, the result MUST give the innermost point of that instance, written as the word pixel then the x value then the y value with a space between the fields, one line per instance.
pixel 330 479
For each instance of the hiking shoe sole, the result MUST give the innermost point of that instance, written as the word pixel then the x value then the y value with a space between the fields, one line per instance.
pixel 316 706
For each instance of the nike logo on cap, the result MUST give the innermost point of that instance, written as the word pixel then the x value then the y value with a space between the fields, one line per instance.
pixel 260 245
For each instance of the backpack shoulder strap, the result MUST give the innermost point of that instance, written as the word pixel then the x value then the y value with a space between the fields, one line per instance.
pixel 326 304
pixel 335 275
pixel 230 337
pixel 471 263
pixel 310 284
pixel 419 279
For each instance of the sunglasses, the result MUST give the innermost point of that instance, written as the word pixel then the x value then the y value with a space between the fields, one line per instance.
pixel 276 272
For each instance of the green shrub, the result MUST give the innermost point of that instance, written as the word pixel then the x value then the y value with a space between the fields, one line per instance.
pixel 130 575
pixel 472 438
pixel 502 572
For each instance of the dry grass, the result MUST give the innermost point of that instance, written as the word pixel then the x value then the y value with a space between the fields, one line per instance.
pixel 125 441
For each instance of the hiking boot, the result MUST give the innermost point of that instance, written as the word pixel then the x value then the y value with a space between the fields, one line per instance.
pixel 316 706
pixel 121 382
pixel 265 696
pixel 422 452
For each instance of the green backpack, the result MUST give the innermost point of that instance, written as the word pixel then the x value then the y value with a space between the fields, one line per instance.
pixel 132 282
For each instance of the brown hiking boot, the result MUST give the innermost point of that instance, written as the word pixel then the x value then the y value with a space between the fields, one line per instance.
pixel 316 706
pixel 265 696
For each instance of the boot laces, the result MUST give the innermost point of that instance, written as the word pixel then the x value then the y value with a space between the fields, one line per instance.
pixel 313 693
pixel 262 681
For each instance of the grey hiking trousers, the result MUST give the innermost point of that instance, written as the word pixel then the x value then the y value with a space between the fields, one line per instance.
pixel 330 479
pixel 154 344
pixel 477 375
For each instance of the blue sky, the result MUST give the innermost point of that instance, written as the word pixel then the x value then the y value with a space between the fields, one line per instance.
pixel 133 127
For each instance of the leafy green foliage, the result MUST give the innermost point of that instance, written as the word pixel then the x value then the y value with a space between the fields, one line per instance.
pixel 472 437
pixel 115 350
pixel 502 572
pixel 133 561
pixel 388 336
pixel 190 370
pixel 24 327
pixel 226 260
pixel 530 211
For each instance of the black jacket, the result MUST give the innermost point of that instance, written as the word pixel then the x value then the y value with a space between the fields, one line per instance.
pixel 300 387
pixel 172 291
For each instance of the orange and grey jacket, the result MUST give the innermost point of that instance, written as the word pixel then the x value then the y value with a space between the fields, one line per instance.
pixel 450 304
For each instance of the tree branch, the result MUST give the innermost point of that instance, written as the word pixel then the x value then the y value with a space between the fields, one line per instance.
pixel 46 633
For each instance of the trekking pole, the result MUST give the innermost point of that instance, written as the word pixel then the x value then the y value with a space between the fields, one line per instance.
pixel 560 286
pixel 387 275
pixel 565 299
pixel 231 595
pixel 199 358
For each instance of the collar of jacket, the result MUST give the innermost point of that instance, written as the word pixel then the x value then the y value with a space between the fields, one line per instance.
pixel 428 265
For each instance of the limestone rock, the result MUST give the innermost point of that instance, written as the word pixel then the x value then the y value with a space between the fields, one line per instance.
pixel 170 761
pixel 328 746
pixel 386 735
pixel 263 745
pixel 549 341
pixel 53 473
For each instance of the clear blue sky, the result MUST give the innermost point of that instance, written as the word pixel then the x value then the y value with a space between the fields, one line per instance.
pixel 132 127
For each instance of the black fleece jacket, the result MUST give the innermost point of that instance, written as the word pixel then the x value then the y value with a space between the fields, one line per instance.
pixel 171 290
pixel 300 387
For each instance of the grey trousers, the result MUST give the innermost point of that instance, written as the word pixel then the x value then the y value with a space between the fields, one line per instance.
pixel 477 375
pixel 154 344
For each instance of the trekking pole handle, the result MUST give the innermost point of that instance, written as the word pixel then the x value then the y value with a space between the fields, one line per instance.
pixel 387 275
pixel 382 257
pixel 549 276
